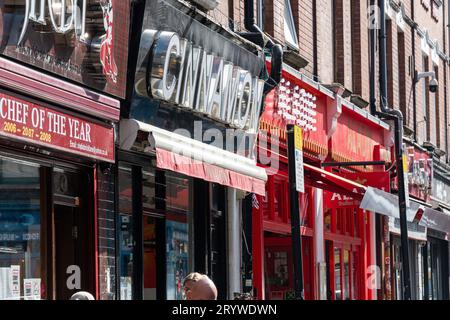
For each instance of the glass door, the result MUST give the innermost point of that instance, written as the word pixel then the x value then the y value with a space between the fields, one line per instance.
pixel 343 274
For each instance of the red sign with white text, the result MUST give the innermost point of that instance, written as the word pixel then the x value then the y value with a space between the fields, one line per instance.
pixel 378 180
pixel 47 127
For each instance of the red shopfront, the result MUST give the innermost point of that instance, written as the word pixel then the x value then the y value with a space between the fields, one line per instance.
pixel 59 103
pixel 336 236
pixel 350 232
pixel 273 273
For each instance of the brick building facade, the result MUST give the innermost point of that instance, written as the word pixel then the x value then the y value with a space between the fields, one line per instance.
pixel 333 49
pixel 333 38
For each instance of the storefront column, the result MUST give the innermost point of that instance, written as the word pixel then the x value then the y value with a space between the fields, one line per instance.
pixel 258 251
pixel 319 243
pixel 234 243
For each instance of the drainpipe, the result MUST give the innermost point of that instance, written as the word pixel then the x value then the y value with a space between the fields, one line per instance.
pixel 397 117
pixel 276 49
pixel 413 31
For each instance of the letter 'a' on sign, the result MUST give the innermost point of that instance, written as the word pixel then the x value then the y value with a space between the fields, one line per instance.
pixel 299 170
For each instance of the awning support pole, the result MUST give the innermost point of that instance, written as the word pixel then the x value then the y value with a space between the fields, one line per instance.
pixel 295 218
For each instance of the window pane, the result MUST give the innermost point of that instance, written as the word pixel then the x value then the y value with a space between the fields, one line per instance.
pixel 289 27
pixel 355 277
pixel 178 224
pixel 337 274
pixel 278 200
pixel 20 232
pixel 327 219
pixel 126 233
pixel 149 228
pixel 148 189
pixel 346 275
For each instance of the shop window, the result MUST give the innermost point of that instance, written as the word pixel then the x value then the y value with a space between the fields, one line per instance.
pixel 346 275
pixel 327 219
pixel 355 277
pixel 20 232
pixel 339 217
pixel 126 233
pixel 305 208
pixel 357 232
pixel 337 274
pixel 289 26
pixel 349 225
pixel 149 228
pixel 148 189
pixel 278 200
pixel 178 230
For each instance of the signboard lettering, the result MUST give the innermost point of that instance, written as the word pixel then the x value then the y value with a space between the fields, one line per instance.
pixel 299 170
pixel 82 40
pixel 58 10
pixel 379 180
pixel 44 126
pixel 188 76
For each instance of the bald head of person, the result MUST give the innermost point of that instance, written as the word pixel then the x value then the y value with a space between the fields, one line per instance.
pixel 199 287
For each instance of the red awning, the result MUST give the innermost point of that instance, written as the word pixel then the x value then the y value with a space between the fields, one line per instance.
pixel 322 179
pixel 185 165
pixel 196 159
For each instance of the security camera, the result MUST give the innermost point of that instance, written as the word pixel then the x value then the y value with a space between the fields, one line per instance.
pixel 434 85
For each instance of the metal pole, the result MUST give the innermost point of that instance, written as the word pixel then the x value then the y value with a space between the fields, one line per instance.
pixel 295 218
pixel 398 120
pixel 234 244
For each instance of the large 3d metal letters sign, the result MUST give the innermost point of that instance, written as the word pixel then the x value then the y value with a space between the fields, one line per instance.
pixel 82 40
pixel 186 75
pixel 185 63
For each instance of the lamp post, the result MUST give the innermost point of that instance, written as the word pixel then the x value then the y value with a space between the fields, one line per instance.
pixel 295 216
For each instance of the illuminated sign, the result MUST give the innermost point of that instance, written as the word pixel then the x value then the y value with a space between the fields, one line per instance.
pixel 297 106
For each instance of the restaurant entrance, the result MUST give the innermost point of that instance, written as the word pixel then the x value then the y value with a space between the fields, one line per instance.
pixel 46 228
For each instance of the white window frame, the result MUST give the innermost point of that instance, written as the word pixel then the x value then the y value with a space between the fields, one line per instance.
pixel 289 25
pixel 260 14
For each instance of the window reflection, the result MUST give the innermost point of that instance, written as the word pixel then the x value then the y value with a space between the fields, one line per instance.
pixel 126 239
pixel 20 231
pixel 337 274
pixel 178 223
pixel 346 275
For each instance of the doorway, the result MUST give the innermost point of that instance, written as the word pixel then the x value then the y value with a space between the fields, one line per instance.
pixel 71 224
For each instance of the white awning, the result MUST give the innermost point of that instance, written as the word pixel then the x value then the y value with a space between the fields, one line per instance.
pixel 193 158
pixel 387 204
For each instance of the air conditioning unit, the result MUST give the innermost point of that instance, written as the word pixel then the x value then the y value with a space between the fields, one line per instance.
pixel 207 4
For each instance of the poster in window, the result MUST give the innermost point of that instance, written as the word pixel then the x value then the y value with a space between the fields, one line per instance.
pixel 32 289
pixel 15 282
pixel 177 258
